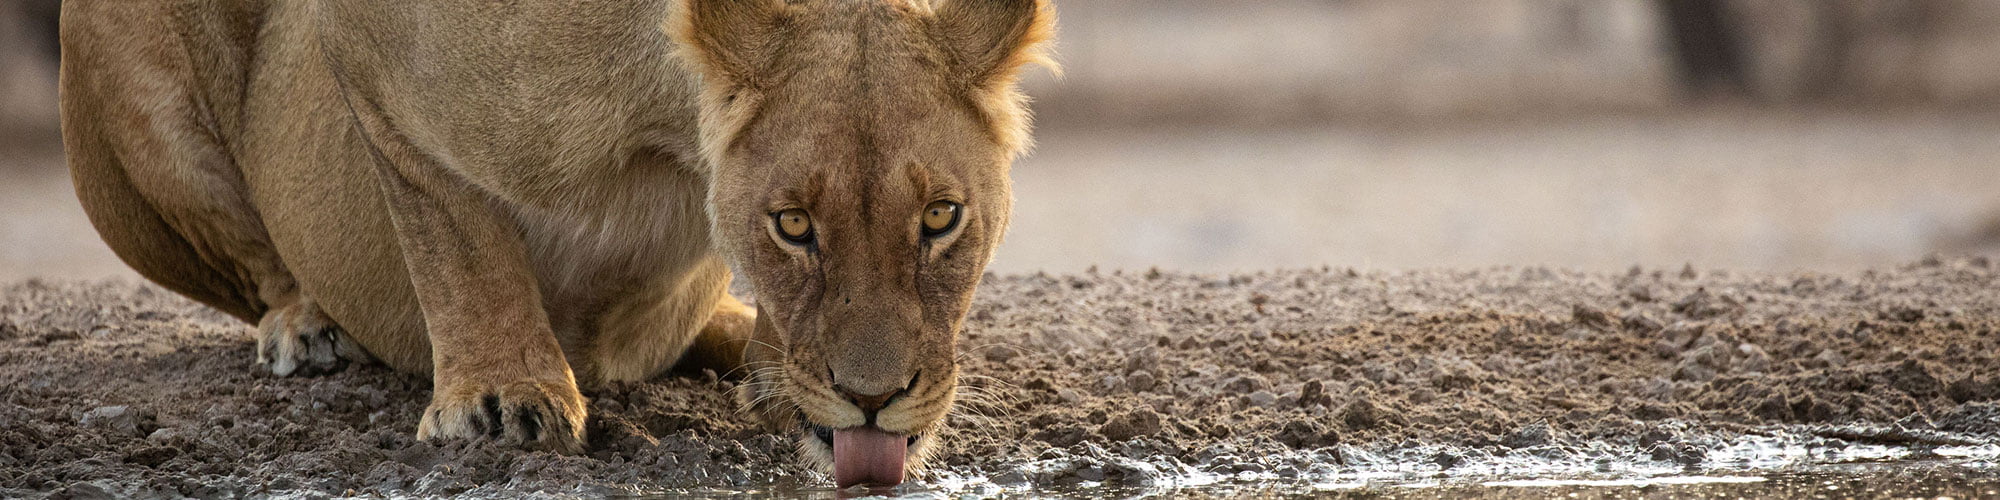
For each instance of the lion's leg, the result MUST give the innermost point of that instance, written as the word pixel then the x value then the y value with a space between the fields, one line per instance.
pixel 720 345
pixel 691 323
pixel 158 182
pixel 162 194
pixel 498 371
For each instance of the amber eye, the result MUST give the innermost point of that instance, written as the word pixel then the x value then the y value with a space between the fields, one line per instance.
pixel 941 217
pixel 794 225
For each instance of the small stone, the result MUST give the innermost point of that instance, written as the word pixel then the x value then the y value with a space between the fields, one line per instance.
pixel 1305 434
pixel 120 418
pixel 1314 393
pixel 1703 305
pixel 1681 333
pixel 152 456
pixel 1914 378
pixel 1090 473
pixel 1697 365
pixel 1010 477
pixel 1262 399
pixel 1111 383
pixel 1971 388
pixel 1140 381
pixel 1752 358
pixel 1069 395
pixel 1640 322
pixel 1775 408
pixel 1140 422
pixel 1529 436
pixel 1423 395
pixel 93 490
pixel 1361 414
pixel 164 435
pixel 1142 359
pixel 1589 316
pixel 1447 460
pixel 1665 452
pixel 1245 383
pixel 1001 354
pixel 1903 313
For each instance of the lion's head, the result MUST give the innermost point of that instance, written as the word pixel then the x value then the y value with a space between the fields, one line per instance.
pixel 860 151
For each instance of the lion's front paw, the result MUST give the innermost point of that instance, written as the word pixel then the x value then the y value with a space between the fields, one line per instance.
pixel 535 415
pixel 299 339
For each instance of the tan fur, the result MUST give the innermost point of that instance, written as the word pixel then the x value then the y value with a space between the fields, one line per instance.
pixel 517 198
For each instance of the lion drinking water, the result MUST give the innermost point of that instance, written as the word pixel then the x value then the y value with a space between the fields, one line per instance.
pixel 518 198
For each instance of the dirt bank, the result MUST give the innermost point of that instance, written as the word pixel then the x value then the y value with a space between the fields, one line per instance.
pixel 1131 378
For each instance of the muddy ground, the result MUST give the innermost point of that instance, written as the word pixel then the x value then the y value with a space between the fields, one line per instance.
pixel 1130 378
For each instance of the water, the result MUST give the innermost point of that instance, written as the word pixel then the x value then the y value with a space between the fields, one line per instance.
pixel 1924 479
pixel 1775 466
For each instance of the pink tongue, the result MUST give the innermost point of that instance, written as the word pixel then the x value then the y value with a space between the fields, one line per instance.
pixel 867 456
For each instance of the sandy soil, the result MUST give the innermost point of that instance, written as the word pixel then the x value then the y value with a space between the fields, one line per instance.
pixel 1116 378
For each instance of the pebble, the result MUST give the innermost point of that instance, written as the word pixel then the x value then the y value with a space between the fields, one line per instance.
pixel 1245 383
pixel 1111 383
pixel 1010 477
pixel 115 417
pixel 1141 381
pixel 1069 395
pixel 99 489
pixel 1262 399
pixel 164 434
pixel 1753 358
pixel 1529 436
pixel 1090 473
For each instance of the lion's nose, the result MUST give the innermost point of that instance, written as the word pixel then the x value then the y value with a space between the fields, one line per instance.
pixel 870 403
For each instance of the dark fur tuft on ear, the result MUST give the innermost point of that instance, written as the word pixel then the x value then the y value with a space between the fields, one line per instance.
pixel 727 38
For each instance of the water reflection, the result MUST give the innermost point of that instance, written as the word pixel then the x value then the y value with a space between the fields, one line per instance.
pixel 1906 479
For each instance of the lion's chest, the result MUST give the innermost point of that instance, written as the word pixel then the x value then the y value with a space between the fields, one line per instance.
pixel 627 235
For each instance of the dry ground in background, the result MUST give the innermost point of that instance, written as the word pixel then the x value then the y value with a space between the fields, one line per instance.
pixel 1123 378
pixel 1722 188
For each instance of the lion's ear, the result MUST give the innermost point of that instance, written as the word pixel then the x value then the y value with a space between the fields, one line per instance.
pixel 990 40
pixel 727 38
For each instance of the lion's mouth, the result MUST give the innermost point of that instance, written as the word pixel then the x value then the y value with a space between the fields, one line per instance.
pixel 864 455
pixel 825 434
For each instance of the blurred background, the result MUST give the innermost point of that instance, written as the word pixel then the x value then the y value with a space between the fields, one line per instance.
pixel 1217 135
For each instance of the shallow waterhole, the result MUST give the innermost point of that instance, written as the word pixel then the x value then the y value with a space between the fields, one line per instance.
pixel 1753 467
pixel 1922 479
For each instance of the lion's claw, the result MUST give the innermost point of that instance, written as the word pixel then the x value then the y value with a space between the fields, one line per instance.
pixel 543 416
pixel 301 340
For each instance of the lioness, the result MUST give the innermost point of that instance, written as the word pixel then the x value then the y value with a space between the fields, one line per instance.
pixel 520 197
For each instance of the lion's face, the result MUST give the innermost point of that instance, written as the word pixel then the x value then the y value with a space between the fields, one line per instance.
pixel 860 154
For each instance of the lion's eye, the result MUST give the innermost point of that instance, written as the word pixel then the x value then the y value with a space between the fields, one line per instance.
pixel 941 217
pixel 794 225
